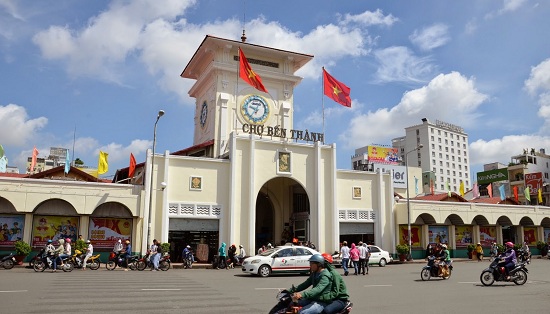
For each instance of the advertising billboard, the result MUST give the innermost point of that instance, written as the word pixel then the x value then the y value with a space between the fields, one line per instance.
pixel 490 176
pixel 534 182
pixel 398 174
pixel 11 229
pixel 383 155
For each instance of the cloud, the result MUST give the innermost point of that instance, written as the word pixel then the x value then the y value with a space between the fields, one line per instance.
pixel 539 79
pixel 448 97
pixel 119 153
pixel 508 6
pixel 431 37
pixel 369 18
pixel 483 151
pixel 399 64
pixel 16 128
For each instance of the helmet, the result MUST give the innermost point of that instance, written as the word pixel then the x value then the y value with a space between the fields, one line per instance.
pixel 127 241
pixel 509 244
pixel 61 241
pixel 444 246
pixel 188 247
pixel 120 241
pixel 240 245
pixel 317 258
pixel 50 241
pixel 327 257
pixel 88 241
pixel 68 240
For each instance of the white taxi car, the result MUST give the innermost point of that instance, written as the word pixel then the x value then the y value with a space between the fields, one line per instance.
pixel 281 259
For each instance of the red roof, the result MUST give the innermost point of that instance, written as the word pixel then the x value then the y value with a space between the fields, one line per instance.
pixel 12 175
pixel 495 200
pixel 441 197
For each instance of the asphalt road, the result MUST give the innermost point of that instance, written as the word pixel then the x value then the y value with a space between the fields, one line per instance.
pixel 392 289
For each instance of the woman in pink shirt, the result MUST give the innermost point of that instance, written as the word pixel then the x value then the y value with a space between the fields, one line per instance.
pixel 354 256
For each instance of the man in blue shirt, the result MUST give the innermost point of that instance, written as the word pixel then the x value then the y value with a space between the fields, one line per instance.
pixel 127 253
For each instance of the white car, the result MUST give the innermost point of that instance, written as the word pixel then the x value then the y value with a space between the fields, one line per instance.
pixel 282 259
pixel 377 257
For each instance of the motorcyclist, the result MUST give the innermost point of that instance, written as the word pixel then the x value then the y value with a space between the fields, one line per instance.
pixel 187 255
pixel 318 297
pixel 118 247
pixel 339 293
pixel 89 252
pixel 509 258
pixel 444 256
pixel 127 253
pixel 58 252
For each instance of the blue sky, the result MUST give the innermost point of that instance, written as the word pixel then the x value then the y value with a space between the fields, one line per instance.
pixel 107 67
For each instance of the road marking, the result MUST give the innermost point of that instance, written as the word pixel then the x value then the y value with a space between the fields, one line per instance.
pixel 14 291
pixel 468 282
pixel 269 288
pixel 377 286
pixel 160 289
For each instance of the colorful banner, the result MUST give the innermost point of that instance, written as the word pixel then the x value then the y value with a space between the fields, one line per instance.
pixel 11 229
pixel 487 235
pixel 463 236
pixel 438 234
pixel 533 181
pixel 416 235
pixel 529 235
pixel 54 228
pixel 383 155
pixel 104 232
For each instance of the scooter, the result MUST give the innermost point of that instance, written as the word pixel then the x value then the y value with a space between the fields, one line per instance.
pixel 287 305
pixel 433 269
pixel 145 262
pixel 78 260
pixel 46 261
pixel 497 272
pixel 116 261
pixel 8 261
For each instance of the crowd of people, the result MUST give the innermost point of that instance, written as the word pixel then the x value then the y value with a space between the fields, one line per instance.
pixel 358 256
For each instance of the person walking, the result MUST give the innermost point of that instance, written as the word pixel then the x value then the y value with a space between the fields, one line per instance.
pixel 479 252
pixel 221 257
pixel 354 256
pixel 344 254
pixel 363 251
pixel 89 253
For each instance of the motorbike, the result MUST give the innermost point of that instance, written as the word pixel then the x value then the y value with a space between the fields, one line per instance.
pixel 36 257
pixel 46 261
pixel 115 260
pixel 497 272
pixel 432 269
pixel 8 261
pixel 188 261
pixel 287 305
pixel 78 260
pixel 524 256
pixel 145 262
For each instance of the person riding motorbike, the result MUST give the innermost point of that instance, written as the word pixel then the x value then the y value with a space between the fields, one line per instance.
pixel 89 252
pixel 338 292
pixel 187 254
pixel 509 258
pixel 118 247
pixel 50 249
pixel 127 253
pixel 58 252
pixel 318 297
pixel 444 256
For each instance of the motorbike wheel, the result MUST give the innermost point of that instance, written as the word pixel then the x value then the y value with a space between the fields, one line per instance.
pixel 94 265
pixel 8 264
pixel 520 277
pixel 164 265
pixel 449 276
pixel 110 265
pixel 68 267
pixel 39 266
pixel 141 265
pixel 132 265
pixel 425 274
pixel 487 278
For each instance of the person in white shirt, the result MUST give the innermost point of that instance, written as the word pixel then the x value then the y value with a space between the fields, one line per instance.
pixel 344 253
pixel 242 253
pixel 89 253
pixel 118 247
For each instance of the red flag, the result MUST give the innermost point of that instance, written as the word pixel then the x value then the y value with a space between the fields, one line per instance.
pixel 132 166
pixel 336 90
pixel 432 186
pixel 248 75
pixel 34 155
pixel 516 193
pixel 490 190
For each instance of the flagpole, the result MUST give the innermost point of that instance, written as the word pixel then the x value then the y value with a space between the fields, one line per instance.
pixel 323 103
pixel 74 140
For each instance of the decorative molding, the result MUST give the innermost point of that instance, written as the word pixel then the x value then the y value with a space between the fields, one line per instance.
pixel 194 210
pixel 356 215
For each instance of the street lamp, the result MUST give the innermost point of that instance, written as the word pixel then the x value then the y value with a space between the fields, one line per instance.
pixel 160 114
pixel 408 201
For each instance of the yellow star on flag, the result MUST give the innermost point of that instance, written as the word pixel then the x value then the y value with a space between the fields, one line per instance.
pixel 336 90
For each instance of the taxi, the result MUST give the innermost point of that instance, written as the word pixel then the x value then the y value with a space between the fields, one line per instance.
pixel 281 259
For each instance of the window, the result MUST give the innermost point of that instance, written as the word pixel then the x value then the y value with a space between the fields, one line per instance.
pixel 432 138
pixel 302 251
pixel 464 153
pixel 466 175
pixel 448 172
pixel 440 155
pixel 442 187
pixel 434 169
pixel 454 181
pixel 459 167
pixel 432 130
pixel 460 174
pixel 447 157
pixel 447 149
pixel 441 179
pixel 373 249
pixel 438 132
pixel 439 140
pixel 467 184
pixel 286 252
pixel 464 146
pixel 441 163
pixel 441 171
pixel 464 138
pixel 446 142
pixel 451 135
pixel 452 142
pixel 466 168
pixel 440 147
pixel 433 146
pixel 433 162
pixel 452 150
pixel 453 158
pixel 417 131
pixel 433 154
pixel 445 134
pixel 465 160
pixel 459 159
pixel 454 175
pixel 453 165
pixel 447 164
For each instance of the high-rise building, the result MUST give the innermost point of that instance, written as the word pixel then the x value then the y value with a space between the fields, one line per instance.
pixel 444 153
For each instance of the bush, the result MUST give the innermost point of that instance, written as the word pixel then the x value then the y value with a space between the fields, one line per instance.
pixel 80 245
pixel 165 247
pixel 500 248
pixel 402 249
pixel 540 245
pixel 22 248
pixel 471 247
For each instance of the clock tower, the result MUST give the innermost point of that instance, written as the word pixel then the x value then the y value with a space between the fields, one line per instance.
pixel 224 102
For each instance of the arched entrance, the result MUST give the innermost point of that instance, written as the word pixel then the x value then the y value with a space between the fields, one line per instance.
pixel 282 213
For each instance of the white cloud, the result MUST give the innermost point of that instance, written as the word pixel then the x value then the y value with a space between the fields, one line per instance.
pixel 508 6
pixel 539 79
pixel 448 97
pixel 16 128
pixel 483 151
pixel 369 18
pixel 119 153
pixel 401 65
pixel 431 37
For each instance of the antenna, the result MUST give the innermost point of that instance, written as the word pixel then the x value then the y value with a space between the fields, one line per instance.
pixel 243 37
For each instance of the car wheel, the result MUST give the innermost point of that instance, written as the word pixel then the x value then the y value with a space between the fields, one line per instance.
pixel 382 262
pixel 264 271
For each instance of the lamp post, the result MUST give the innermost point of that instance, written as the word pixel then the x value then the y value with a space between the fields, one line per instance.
pixel 408 201
pixel 160 114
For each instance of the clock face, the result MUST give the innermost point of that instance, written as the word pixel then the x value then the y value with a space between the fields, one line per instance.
pixel 255 109
pixel 204 113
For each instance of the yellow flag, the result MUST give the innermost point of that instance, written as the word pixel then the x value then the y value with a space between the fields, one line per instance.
pixel 461 188
pixel 540 195
pixel 103 165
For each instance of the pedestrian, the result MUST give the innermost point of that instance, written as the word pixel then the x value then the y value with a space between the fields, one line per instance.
pixel 354 256
pixel 479 252
pixel 261 249
pixel 367 259
pixel 89 253
pixel 344 254
pixel 221 257
pixel 154 257
pixel 362 256
pixel 231 253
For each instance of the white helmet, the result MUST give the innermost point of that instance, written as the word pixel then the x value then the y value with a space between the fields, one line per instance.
pixel 444 246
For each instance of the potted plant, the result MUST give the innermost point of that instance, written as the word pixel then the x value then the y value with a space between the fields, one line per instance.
pixel 22 249
pixel 165 247
pixel 541 246
pixel 402 251
pixel 471 247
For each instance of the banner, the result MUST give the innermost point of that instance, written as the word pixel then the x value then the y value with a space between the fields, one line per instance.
pixel 487 235
pixel 416 232
pixel 383 155
pixel 546 235
pixel 438 234
pixel 492 176
pixel 104 232
pixel 463 236
pixel 53 228
pixel 11 229
pixel 533 181
pixel 529 235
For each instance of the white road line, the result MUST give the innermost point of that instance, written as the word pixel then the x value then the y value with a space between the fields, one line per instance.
pixel 469 282
pixel 377 286
pixel 269 288
pixel 160 289
pixel 14 291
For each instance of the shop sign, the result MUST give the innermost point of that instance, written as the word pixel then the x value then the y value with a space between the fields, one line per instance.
pixel 261 130
pixel 490 176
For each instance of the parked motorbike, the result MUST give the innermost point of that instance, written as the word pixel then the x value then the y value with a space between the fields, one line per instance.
pixel 497 272
pixel 115 260
pixel 432 269
pixel 145 262
pixel 524 256
pixel 7 261
pixel 46 261
pixel 78 260
pixel 287 305
pixel 36 257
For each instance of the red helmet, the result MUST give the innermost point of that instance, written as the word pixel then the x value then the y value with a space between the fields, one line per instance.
pixel 509 244
pixel 68 240
pixel 327 257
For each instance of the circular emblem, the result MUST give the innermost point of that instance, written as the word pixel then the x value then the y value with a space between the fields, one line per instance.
pixel 204 113
pixel 255 109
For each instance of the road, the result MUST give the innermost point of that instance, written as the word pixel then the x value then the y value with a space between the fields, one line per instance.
pixel 391 289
